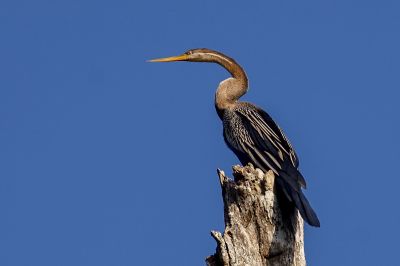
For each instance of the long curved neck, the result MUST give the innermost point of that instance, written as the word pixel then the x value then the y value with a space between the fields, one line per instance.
pixel 230 90
pixel 232 66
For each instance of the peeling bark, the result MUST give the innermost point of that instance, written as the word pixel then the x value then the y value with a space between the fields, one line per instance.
pixel 257 232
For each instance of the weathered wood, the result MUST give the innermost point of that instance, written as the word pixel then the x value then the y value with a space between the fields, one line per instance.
pixel 256 231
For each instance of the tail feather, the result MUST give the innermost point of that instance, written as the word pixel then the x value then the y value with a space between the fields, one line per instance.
pixel 301 203
pixel 312 218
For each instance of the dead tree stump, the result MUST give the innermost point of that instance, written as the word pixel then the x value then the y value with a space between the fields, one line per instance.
pixel 255 231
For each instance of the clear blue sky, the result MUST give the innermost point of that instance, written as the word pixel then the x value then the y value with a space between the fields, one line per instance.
pixel 108 160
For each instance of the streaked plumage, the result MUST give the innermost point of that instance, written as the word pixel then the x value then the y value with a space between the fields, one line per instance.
pixel 255 138
pixel 251 133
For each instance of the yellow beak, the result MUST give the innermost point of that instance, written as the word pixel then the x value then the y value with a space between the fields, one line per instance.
pixel 183 57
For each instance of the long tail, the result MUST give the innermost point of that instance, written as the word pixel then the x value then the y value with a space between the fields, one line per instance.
pixel 300 201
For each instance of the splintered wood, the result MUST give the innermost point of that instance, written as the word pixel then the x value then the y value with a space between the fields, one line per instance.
pixel 256 231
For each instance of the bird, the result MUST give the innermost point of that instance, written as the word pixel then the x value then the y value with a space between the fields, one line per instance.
pixel 251 133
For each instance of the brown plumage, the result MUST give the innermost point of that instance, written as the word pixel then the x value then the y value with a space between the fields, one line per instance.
pixel 251 133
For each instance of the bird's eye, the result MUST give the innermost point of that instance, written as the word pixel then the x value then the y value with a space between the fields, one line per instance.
pixel 189 52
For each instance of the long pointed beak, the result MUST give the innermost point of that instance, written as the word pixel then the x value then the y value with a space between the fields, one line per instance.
pixel 183 57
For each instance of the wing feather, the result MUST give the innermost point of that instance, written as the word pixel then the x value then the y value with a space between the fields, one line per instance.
pixel 270 145
pixel 254 137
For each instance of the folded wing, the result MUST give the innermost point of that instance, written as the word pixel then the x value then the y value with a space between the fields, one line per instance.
pixel 255 138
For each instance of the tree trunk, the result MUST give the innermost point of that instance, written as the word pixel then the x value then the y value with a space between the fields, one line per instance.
pixel 257 231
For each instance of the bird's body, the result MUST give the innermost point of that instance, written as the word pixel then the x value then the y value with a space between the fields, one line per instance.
pixel 252 134
pixel 255 138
